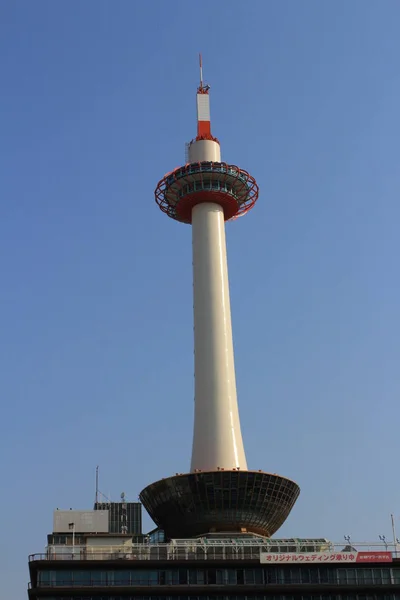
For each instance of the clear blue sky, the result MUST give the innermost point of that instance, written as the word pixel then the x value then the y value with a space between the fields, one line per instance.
pixel 97 101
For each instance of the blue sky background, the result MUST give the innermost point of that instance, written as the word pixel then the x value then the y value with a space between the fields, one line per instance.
pixel 98 99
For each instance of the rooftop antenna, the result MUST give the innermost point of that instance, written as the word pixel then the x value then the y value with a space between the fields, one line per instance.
pixel 394 532
pixel 99 496
pixel 97 484
pixel 202 89
pixel 201 70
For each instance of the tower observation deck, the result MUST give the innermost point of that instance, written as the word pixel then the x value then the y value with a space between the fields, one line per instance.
pixel 219 494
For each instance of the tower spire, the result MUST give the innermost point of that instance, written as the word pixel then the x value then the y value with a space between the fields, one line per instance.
pixel 203 108
pixel 201 70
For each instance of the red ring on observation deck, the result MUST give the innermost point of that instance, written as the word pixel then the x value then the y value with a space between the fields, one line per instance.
pixel 195 183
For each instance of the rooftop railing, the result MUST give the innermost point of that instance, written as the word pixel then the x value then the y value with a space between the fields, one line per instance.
pixel 203 549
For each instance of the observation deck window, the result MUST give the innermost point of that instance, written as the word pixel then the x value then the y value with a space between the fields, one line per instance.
pixel 208 184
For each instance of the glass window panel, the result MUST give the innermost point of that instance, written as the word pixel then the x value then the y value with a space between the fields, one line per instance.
pixel 151 577
pixel 396 575
pixel 172 577
pixel 192 576
pixel 258 576
pixel 314 576
pixel 249 576
pixel 342 576
pixel 82 577
pixel 285 576
pixel 385 575
pixel 333 577
pixel 211 576
pixel 63 577
pixel 201 576
pixel 368 575
pixel 240 576
pixel 138 576
pixel 295 575
pixel 360 576
pixel 231 575
pixel 221 576
pixel 122 577
pixel 44 577
pixel 183 576
pixel 108 578
pixel 305 575
pixel 323 575
pixel 99 577
pixel 270 576
pixel 351 576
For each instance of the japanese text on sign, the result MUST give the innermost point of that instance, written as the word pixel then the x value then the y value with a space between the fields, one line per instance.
pixel 324 557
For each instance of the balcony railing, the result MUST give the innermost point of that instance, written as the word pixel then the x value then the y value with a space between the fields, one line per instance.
pixel 195 550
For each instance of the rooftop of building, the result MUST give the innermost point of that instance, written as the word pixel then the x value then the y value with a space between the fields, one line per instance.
pixel 221 547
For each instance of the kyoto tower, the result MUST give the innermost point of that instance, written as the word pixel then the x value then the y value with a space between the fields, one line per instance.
pixel 219 494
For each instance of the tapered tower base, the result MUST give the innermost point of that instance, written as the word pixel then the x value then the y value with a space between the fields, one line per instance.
pixel 194 504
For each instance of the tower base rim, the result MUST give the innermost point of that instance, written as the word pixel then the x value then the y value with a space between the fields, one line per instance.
pixel 191 504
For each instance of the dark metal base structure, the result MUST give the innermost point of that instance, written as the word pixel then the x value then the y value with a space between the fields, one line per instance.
pixel 194 504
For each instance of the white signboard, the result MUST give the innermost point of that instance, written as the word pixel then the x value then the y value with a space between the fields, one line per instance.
pixel 324 557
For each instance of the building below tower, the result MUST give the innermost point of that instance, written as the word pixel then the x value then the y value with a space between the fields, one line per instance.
pixel 86 560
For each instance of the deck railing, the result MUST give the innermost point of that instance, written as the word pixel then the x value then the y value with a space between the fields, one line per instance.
pixel 194 550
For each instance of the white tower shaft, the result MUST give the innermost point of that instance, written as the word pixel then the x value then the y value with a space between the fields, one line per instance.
pixel 217 439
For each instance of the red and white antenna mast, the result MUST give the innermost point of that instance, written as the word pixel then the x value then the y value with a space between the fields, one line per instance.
pixel 203 109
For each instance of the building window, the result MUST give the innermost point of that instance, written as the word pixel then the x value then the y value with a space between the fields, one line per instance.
pixel 211 576
pixel 287 575
pixel 396 575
